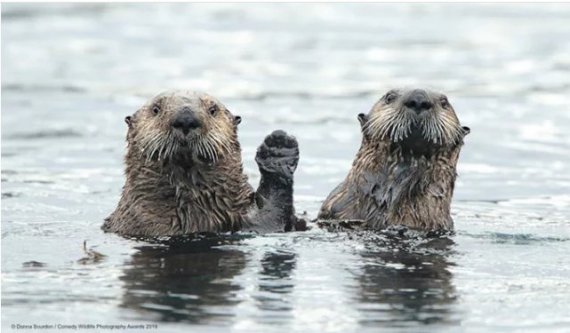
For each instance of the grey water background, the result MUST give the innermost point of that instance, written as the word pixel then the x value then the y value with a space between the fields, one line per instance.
pixel 70 73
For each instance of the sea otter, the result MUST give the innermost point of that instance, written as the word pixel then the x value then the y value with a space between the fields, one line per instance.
pixel 405 170
pixel 184 173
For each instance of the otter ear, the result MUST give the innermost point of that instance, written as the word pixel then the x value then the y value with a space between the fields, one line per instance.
pixel 237 120
pixel 466 130
pixel 362 118
pixel 129 121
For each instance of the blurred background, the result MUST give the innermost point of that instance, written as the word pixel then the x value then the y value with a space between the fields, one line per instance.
pixel 72 72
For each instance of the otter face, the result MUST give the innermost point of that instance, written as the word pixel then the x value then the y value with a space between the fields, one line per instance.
pixel 177 123
pixel 414 118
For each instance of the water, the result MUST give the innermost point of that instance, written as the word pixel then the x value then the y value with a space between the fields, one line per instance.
pixel 70 73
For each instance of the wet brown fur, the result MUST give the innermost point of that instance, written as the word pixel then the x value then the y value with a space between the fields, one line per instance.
pixel 405 170
pixel 179 185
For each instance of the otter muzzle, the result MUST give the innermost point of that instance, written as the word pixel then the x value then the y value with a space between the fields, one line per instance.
pixel 186 121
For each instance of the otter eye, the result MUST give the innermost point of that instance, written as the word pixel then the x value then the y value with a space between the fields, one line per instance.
pixel 390 97
pixel 444 102
pixel 156 109
pixel 213 109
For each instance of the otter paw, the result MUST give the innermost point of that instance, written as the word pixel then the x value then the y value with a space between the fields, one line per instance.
pixel 278 154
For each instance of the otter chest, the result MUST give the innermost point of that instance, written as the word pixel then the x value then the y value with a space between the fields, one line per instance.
pixel 201 207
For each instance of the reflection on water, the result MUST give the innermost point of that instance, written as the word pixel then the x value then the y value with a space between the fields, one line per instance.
pixel 194 282
pixel 401 284
pixel 397 282
pixel 274 284
pixel 191 282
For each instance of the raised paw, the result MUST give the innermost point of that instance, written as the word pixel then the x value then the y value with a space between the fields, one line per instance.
pixel 278 154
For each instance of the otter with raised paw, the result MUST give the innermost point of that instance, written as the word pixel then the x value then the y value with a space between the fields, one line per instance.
pixel 405 170
pixel 184 173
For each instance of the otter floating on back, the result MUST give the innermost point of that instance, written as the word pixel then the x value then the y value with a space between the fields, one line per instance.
pixel 405 170
pixel 184 172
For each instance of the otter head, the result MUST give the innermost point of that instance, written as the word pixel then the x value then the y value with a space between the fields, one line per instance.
pixel 183 124
pixel 416 120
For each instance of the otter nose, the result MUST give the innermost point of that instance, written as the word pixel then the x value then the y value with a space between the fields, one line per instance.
pixel 186 121
pixel 418 101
